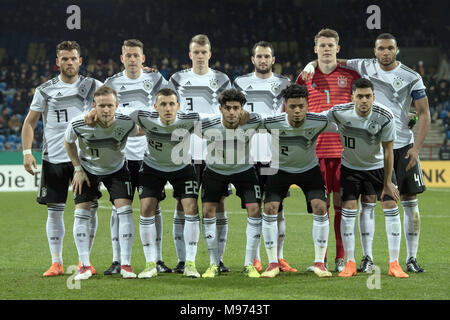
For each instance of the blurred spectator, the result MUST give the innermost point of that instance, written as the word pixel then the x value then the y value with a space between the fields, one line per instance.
pixel 446 122
pixel 444 151
pixel 14 124
pixel 166 50
pixel 19 105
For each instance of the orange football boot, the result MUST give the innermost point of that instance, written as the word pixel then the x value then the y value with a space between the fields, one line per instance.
pixel 285 267
pixel 349 270
pixel 56 269
pixel 396 271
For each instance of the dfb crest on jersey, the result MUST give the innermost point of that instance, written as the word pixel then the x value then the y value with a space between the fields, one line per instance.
pixel 213 83
pixel 82 89
pixel 148 85
pixel 275 88
pixel 342 82
pixel 118 133
pixel 373 128
pixel 397 83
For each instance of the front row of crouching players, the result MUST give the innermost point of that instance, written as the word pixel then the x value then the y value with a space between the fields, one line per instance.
pixel 367 135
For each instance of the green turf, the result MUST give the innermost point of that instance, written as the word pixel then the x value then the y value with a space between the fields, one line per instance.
pixel 24 256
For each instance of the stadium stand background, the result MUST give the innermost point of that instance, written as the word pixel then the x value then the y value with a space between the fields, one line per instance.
pixel 30 30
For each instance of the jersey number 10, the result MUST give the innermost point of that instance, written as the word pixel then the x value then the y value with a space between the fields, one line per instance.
pixel 349 142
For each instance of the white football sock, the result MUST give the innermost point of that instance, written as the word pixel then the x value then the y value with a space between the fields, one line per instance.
pixel 257 251
pixel 411 226
pixel 209 234
pixel 81 234
pixel 126 233
pixel 270 235
pixel 93 225
pixel 348 232
pixel 253 235
pixel 55 230
pixel 191 235
pixel 115 234
pixel 222 231
pixel 159 233
pixel 367 227
pixel 147 232
pixel 178 235
pixel 321 229
pixel 281 233
pixel 393 231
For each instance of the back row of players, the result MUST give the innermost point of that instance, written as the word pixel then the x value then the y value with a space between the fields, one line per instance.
pixel 63 98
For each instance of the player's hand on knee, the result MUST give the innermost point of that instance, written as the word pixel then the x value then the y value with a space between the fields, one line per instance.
pixel 29 162
pixel 77 182
pixel 90 118
pixel 390 190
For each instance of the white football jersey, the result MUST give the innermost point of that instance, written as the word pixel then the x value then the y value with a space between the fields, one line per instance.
pixel 393 89
pixel 361 137
pixel 101 149
pixel 228 149
pixel 168 144
pixel 263 97
pixel 136 94
pixel 59 103
pixel 297 146
pixel 200 93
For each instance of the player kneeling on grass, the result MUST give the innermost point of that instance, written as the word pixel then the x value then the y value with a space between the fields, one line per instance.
pixel 367 133
pixel 100 158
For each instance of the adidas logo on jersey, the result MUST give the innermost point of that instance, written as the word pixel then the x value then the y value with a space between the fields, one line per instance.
pixel 249 88
pixel 123 88
pixel 59 94
pixel 188 83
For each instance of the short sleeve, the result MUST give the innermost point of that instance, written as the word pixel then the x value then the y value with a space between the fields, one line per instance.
pixel 39 103
pixel 355 64
pixel 70 136
pixel 388 131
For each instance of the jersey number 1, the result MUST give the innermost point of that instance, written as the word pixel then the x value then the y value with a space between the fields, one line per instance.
pixel 328 95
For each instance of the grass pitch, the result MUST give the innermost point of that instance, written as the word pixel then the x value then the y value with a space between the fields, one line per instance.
pixel 25 256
